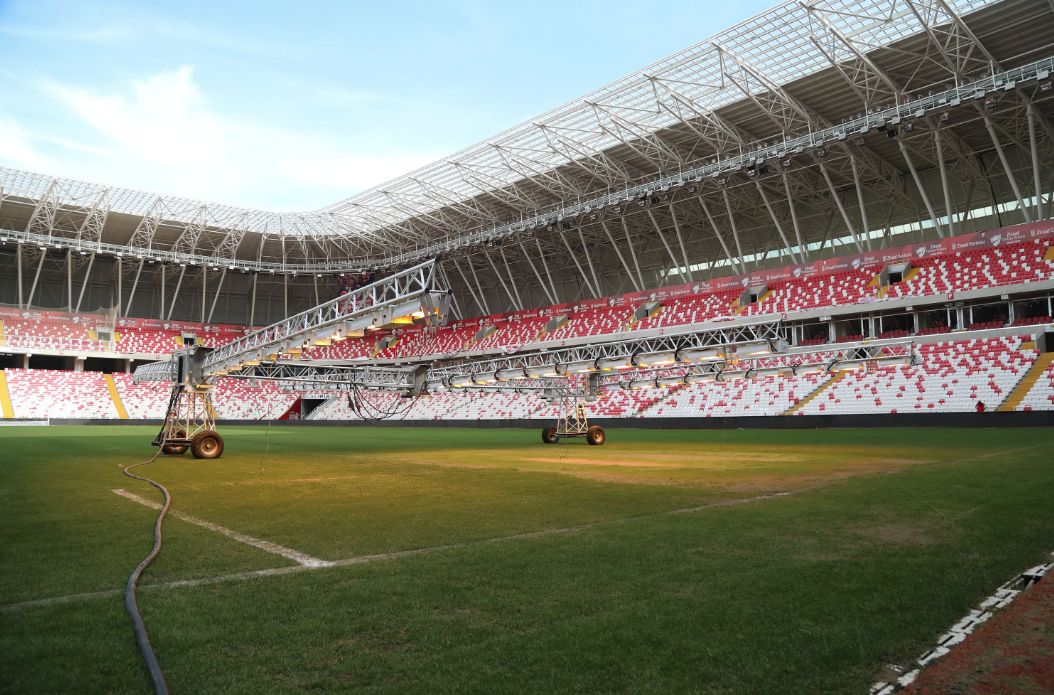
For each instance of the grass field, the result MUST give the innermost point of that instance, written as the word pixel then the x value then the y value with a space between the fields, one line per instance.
pixel 661 562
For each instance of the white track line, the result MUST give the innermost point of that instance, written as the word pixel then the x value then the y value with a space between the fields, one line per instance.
pixel 294 555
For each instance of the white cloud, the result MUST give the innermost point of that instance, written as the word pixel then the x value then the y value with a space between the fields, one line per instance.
pixel 163 135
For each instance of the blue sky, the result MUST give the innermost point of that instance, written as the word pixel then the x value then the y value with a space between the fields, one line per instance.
pixel 292 106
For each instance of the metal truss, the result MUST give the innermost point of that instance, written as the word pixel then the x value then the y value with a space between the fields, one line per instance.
pixel 609 141
pixel 625 353
pixel 415 293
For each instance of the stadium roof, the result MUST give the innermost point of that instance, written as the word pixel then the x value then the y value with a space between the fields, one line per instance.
pixel 743 89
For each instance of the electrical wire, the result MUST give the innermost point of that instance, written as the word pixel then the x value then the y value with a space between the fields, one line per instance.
pixel 130 605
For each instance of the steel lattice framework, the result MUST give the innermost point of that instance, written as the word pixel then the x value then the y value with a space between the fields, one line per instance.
pixel 810 126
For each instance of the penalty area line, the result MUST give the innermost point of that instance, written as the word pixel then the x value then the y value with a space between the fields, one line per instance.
pixel 294 555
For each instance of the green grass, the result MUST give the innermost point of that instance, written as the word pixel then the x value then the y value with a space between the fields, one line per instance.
pixel 890 536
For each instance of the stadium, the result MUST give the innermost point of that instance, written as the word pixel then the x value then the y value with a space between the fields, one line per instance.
pixel 787 295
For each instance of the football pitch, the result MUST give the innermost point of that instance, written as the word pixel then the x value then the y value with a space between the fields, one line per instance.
pixel 388 560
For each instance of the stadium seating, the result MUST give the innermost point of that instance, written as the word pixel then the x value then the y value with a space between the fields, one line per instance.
pixel 1041 395
pixel 43 393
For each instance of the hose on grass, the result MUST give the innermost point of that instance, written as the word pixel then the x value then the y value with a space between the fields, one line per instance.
pixel 130 605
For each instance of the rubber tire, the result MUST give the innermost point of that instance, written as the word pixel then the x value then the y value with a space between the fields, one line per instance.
pixel 207 445
pixel 549 435
pixel 176 449
pixel 595 435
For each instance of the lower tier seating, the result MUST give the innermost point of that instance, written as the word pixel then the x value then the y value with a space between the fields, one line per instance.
pixel 43 393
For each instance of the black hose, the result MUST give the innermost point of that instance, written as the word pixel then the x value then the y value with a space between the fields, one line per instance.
pixel 160 687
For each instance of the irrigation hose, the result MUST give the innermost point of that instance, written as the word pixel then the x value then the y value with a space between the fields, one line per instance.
pixel 130 605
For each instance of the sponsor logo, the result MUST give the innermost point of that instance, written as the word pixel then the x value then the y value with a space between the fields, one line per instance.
pixel 745 282
pixel 856 263
pixel 996 238
pixel 920 251
pixel 797 272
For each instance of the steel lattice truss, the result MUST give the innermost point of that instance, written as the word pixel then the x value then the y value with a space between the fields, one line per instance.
pixel 809 123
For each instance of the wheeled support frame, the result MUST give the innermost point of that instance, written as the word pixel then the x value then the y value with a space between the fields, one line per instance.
pixel 190 423
pixel 573 422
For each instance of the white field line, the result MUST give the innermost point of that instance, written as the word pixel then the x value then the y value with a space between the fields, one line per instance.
pixel 364 559
pixel 294 555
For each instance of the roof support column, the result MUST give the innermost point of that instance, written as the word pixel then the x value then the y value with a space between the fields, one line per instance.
pixel 1030 111
pixel 512 280
pixel 135 284
pixel 680 240
pixel 204 287
pixel 720 238
pixel 673 258
pixel 841 208
pixel 1006 165
pixel 36 278
pixel 577 264
pixel 865 229
pixel 69 280
pixel 84 285
pixel 589 260
pixel 18 260
pixel 161 304
pixel 944 182
pixel 472 269
pixel 500 279
pixel 633 253
pixel 735 231
pixel 545 265
pixel 479 302
pixel 217 295
pixel 541 283
pixel 775 220
pixel 922 191
pixel 794 218
pixel 625 265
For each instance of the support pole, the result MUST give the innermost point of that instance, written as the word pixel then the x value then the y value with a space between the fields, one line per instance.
pixel 541 283
pixel 735 231
pixel 629 273
pixel 175 295
pixel 944 182
pixel 18 257
pixel 285 295
pixel 1006 165
pixel 161 313
pixel 545 265
pixel 84 285
pixel 135 284
pixel 865 228
pixel 662 237
pixel 252 303
pixel 475 277
pixel 794 218
pixel 720 238
pixel 36 278
pixel 479 303
pixel 680 240
pixel 578 265
pixel 512 281
pixel 120 285
pixel 775 220
pixel 69 280
pixel 1029 109
pixel 922 191
pixel 841 208
pixel 633 253
pixel 216 298
pixel 204 287
pixel 589 260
